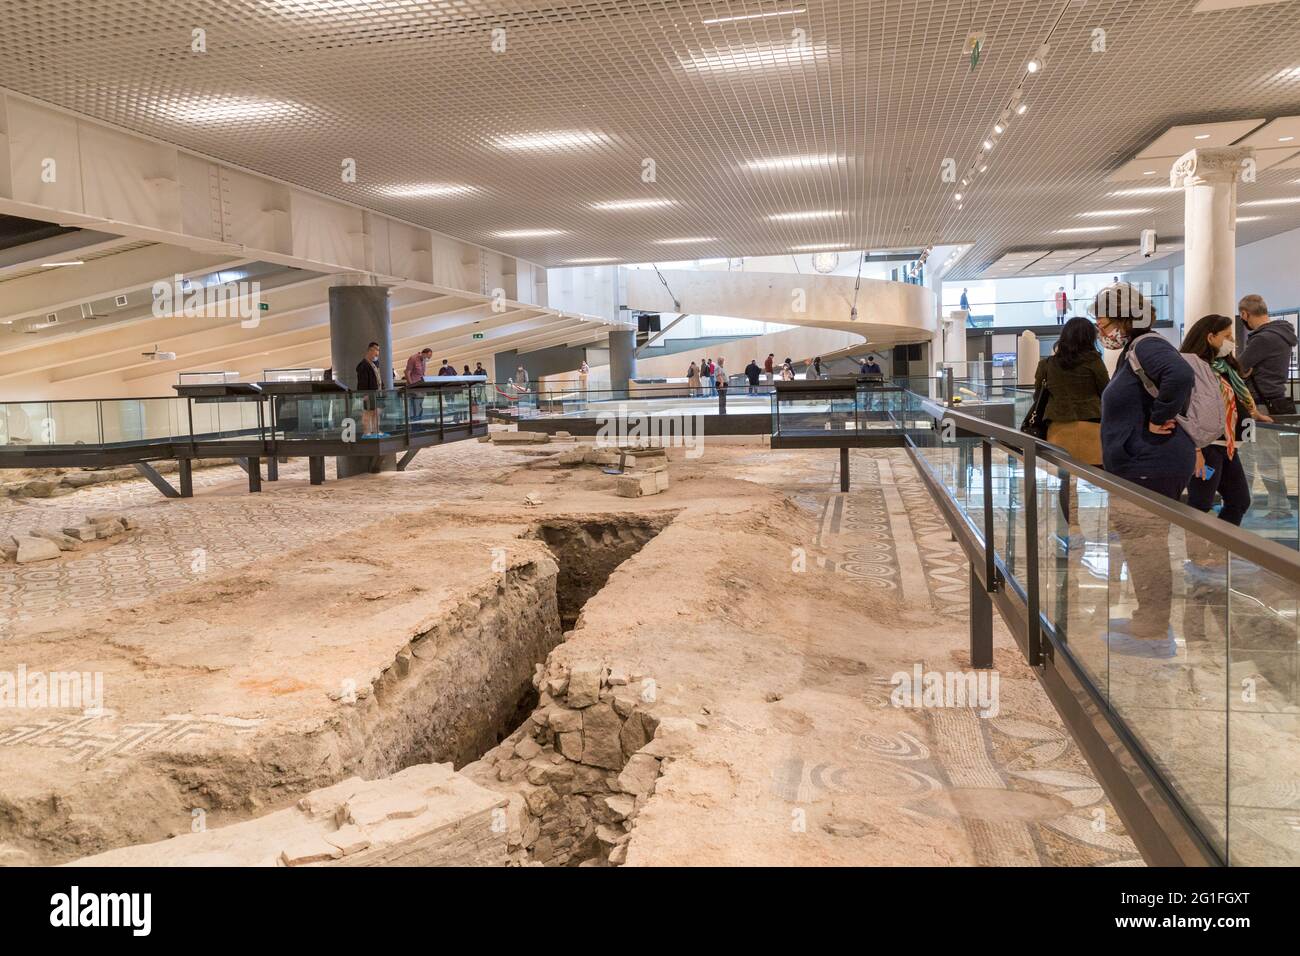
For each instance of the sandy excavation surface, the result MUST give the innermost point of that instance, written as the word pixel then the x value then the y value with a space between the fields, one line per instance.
pixel 759 613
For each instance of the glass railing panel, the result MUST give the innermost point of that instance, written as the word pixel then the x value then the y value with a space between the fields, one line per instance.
pixel 320 416
pixel 73 423
pixel 422 409
pixel 1272 464
pixel 140 421
pixel 1263 691
pixel 1167 658
pixel 23 424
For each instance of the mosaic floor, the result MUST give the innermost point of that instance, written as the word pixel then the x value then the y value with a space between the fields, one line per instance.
pixel 887 533
pixel 220 528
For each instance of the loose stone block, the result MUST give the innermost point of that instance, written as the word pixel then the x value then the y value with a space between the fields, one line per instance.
pixel 584 685
pixel 634 735
pixel 564 721
pixel 571 745
pixel 639 776
pixel 349 838
pixel 36 549
pixel 600 737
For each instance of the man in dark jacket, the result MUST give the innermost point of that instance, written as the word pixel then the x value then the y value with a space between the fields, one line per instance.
pixel 752 372
pixel 369 380
pixel 1266 360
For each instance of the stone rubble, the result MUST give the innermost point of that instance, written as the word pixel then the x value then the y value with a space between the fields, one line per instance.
pixel 56 482
pixel 583 764
pixel 43 544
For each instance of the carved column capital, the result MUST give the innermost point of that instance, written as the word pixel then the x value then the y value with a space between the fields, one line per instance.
pixel 1211 164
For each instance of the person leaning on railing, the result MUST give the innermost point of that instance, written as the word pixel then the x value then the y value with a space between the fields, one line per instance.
pixel 1142 443
pixel 1218 465
pixel 1074 377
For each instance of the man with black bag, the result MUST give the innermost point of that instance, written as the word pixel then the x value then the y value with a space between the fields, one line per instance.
pixel 1266 360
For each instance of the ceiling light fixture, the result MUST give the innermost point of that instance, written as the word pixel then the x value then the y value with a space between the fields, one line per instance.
pixel 1084 229
pixel 1285 139
pixel 685 241
pixel 984 169
pixel 1144 191
pixel 794 162
pixel 957 196
pixel 819 247
pixel 754 58
pixel 1285 201
pixel 223 110
pixel 755 16
pixel 1201 136
pixel 1022 109
pixel 527 233
pixel 60 265
pixel 814 214
pixel 588 262
pixel 988 144
pixel 557 140
pixel 430 190
pixel 622 204
pixel 999 128
pixel 1113 212
pixel 1250 218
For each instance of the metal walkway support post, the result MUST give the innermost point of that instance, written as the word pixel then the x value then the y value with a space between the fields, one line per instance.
pixel 254 474
pixel 186 468
pixel 316 469
pixel 981 623
pixel 844 469
pixel 155 479
pixel 272 468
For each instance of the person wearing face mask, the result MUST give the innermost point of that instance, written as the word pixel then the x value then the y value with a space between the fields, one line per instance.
pixel 1142 443
pixel 1218 466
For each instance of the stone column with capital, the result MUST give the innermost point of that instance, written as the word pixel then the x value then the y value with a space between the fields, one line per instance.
pixel 1209 179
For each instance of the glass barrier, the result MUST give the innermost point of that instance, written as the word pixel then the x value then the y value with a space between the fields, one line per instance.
pixel 1272 465
pixel 1195 648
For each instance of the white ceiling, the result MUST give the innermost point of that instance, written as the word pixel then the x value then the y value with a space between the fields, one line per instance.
pixel 878 91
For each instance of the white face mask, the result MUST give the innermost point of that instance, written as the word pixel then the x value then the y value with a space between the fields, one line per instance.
pixel 1225 348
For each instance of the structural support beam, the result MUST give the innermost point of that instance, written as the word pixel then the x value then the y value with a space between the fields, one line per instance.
pixel 661 333
pixel 1208 178
pixel 844 469
pixel 158 481
pixel 981 623
pixel 359 315
pixel 622 359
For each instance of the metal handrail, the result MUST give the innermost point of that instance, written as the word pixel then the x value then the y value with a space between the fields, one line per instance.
pixel 1246 544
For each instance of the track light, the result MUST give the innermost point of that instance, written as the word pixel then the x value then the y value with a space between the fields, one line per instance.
pixel 1039 60
pixel 1022 109
pixel 999 128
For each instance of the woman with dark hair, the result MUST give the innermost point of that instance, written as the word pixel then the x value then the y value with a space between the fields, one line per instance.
pixel 1142 443
pixel 1074 377
pixel 1218 466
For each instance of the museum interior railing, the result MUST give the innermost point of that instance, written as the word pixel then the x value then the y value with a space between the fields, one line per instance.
pixel 1168 640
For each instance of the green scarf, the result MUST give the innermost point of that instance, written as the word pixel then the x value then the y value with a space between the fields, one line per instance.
pixel 1238 386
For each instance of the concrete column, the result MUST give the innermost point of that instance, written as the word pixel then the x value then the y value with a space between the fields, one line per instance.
pixel 359 315
pixel 622 359
pixel 1026 357
pixel 1208 178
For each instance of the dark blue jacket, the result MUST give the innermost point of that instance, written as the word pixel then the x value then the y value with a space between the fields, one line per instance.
pixel 1128 448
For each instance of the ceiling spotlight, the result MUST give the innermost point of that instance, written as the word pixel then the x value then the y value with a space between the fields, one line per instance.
pixel 999 128
pixel 957 197
pixel 1039 59
pixel 1201 136
pixel 988 144
pixel 965 182
pixel 1022 109
pixel 984 169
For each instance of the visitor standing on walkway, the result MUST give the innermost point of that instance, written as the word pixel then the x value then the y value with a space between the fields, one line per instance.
pixel 446 369
pixel 416 367
pixel 1062 305
pixel 706 375
pixel 1074 377
pixel 1266 367
pixel 965 302
pixel 369 380
pixel 693 379
pixel 752 372
pixel 814 369
pixel 719 375
pixel 1218 465
pixel 769 366
pixel 787 371
pixel 584 370
pixel 1142 443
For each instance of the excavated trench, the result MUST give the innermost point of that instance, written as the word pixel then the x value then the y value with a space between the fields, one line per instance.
pixel 453 693
pixel 588 550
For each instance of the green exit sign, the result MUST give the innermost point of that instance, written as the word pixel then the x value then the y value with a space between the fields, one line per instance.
pixel 264 306
pixel 478 335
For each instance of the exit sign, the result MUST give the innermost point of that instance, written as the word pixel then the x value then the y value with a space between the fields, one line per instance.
pixel 478 335
pixel 264 306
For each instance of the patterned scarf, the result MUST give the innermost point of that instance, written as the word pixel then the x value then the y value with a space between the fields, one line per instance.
pixel 1233 390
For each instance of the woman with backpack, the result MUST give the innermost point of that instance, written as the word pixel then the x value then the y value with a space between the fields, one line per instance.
pixel 1142 442
pixel 1218 466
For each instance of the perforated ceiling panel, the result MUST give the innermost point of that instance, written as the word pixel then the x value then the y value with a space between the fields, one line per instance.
pixel 844 112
